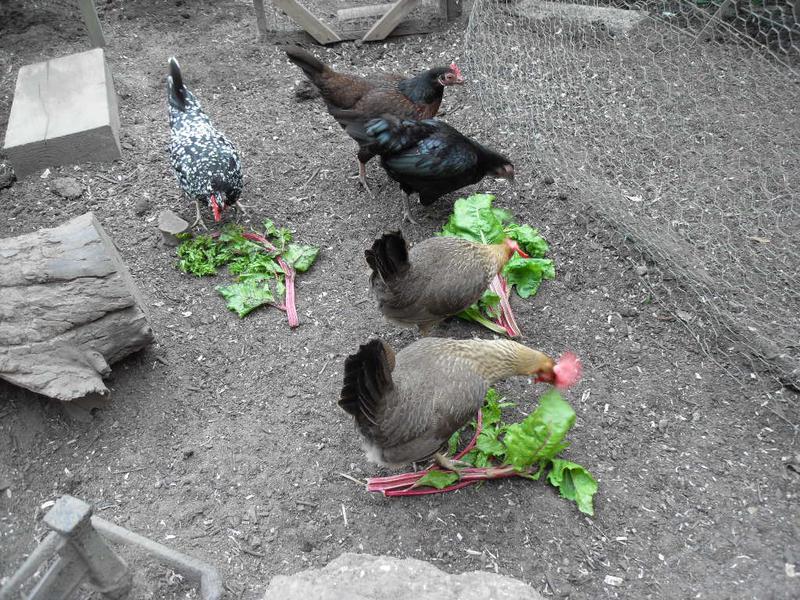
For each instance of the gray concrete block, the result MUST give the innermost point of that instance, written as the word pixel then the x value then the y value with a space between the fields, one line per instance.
pixel 64 112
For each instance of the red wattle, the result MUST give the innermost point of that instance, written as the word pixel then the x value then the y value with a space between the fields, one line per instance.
pixel 567 371
pixel 215 208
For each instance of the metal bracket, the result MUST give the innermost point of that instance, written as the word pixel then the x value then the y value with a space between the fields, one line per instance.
pixel 82 553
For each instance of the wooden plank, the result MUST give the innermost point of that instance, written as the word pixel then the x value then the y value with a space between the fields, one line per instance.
pixel 407 27
pixel 452 9
pixel 64 112
pixel 362 12
pixel 92 21
pixel 306 19
pixel 261 19
pixel 390 20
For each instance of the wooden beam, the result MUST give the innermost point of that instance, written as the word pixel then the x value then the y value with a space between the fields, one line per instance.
pixel 261 19
pixel 390 20
pixel 453 9
pixel 362 12
pixel 306 19
pixel 92 21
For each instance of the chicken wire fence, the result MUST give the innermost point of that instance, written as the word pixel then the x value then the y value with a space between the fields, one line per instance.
pixel 676 124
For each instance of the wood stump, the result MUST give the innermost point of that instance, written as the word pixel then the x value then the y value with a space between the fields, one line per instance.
pixel 68 309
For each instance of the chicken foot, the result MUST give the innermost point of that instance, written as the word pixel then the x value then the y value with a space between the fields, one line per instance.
pixel 450 464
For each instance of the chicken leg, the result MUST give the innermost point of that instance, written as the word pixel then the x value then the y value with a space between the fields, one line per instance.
pixel 407 211
pixel 362 177
pixel 240 208
pixel 198 218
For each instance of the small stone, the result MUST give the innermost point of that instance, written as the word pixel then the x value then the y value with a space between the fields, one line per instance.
pixel 7 176
pixel 612 580
pixel 66 187
pixel 684 316
pixel 170 226
pixel 641 270
pixel 140 206
pixel 548 180
pixel 662 425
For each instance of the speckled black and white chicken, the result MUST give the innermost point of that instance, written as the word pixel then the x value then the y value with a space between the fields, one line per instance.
pixel 205 161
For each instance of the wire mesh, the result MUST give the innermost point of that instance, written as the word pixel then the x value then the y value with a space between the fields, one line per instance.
pixel 676 122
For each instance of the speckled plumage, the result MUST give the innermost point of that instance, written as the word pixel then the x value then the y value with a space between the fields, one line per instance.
pixel 204 160
pixel 406 406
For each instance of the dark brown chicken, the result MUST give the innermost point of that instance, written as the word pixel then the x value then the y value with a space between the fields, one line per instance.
pixel 406 406
pixel 416 97
pixel 438 278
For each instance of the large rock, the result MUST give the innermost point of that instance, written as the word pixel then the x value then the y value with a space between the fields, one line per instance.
pixel 366 577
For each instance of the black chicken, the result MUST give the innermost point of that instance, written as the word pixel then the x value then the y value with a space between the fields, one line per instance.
pixel 428 157
pixel 205 161
pixel 417 97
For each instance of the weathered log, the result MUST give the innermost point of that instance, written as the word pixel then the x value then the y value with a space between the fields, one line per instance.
pixel 68 309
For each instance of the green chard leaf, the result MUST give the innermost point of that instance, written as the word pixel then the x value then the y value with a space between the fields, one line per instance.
pixel 452 443
pixel 574 483
pixel 438 479
pixel 473 313
pixel 280 236
pixel 246 296
pixel 527 273
pixel 300 256
pixel 488 443
pixel 540 436
pixel 200 256
pixel 474 219
pixel 528 238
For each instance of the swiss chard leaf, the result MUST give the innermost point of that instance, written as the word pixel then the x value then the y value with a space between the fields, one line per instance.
pixel 527 273
pixel 574 483
pixel 528 238
pixel 244 297
pixel 474 219
pixel 280 236
pixel 452 443
pixel 438 479
pixel 200 256
pixel 488 443
pixel 540 436
pixel 300 256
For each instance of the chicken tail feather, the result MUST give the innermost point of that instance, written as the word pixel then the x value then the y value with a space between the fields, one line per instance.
pixel 177 91
pixel 310 64
pixel 367 380
pixel 388 256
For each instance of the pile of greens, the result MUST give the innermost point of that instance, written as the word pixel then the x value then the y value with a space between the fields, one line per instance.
pixel 475 219
pixel 264 265
pixel 499 450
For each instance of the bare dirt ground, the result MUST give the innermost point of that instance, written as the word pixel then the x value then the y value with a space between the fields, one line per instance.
pixel 224 439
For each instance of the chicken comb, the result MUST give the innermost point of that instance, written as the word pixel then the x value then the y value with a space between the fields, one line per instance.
pixel 567 371
pixel 454 68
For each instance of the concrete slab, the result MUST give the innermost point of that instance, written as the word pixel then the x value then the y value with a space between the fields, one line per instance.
pixel 64 112
pixel 616 20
